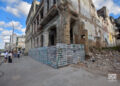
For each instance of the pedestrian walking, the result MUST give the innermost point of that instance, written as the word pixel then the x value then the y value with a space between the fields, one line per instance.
pixel 18 53
pixel 14 53
pixel 5 56
pixel 10 56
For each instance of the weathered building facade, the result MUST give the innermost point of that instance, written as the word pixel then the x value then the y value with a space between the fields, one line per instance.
pixel 7 46
pixel 20 44
pixel 70 22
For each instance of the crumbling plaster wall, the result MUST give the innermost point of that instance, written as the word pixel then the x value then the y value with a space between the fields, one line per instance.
pixel 80 6
pixel 88 10
pixel 91 29
pixel 74 5
pixel 86 22
pixel 85 8
pixel 108 27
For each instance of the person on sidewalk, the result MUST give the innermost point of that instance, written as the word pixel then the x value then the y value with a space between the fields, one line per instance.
pixel 15 54
pixel 18 53
pixel 10 57
pixel 5 56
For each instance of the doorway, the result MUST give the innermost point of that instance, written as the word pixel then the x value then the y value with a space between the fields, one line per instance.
pixel 52 36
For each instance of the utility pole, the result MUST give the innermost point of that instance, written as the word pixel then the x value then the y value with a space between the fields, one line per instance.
pixel 12 31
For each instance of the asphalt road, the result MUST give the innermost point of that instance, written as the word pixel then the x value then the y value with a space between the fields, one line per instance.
pixel 28 72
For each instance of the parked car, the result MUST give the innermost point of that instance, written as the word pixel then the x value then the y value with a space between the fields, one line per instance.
pixel 2 54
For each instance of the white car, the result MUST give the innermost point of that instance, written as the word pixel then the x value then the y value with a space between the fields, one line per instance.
pixel 2 54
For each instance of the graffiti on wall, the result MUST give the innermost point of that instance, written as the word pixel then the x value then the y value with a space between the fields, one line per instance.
pixel 110 38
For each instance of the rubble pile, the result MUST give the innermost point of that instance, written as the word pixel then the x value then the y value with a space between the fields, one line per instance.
pixel 106 61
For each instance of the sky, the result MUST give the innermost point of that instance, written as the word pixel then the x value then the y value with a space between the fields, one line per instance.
pixel 16 11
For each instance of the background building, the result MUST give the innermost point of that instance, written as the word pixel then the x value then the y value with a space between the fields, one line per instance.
pixel 20 42
pixel 13 40
pixel 7 46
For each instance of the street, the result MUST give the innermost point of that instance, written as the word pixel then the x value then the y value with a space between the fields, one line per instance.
pixel 28 72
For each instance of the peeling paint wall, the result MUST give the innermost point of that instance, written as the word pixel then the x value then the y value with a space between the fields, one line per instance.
pixel 91 29
pixel 85 8
pixel 74 5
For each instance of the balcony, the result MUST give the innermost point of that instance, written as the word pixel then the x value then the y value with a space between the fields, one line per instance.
pixel 50 15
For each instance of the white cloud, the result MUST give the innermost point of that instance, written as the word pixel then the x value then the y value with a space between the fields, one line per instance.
pixel 6 39
pixel 11 1
pixel 2 23
pixel 110 4
pixel 23 30
pixel 14 11
pixel 24 7
pixel 1 29
pixel 6 32
pixel 2 44
pixel 17 7
pixel 17 25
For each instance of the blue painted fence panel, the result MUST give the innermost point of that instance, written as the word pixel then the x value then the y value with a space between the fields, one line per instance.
pixel 59 55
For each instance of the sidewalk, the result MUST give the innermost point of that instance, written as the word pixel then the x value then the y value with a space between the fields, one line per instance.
pixel 1 60
pixel 28 72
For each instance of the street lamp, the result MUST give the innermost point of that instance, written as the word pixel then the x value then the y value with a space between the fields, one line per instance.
pixel 12 30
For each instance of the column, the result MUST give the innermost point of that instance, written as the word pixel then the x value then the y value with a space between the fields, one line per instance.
pixel 46 39
pixel 36 26
pixel 65 27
